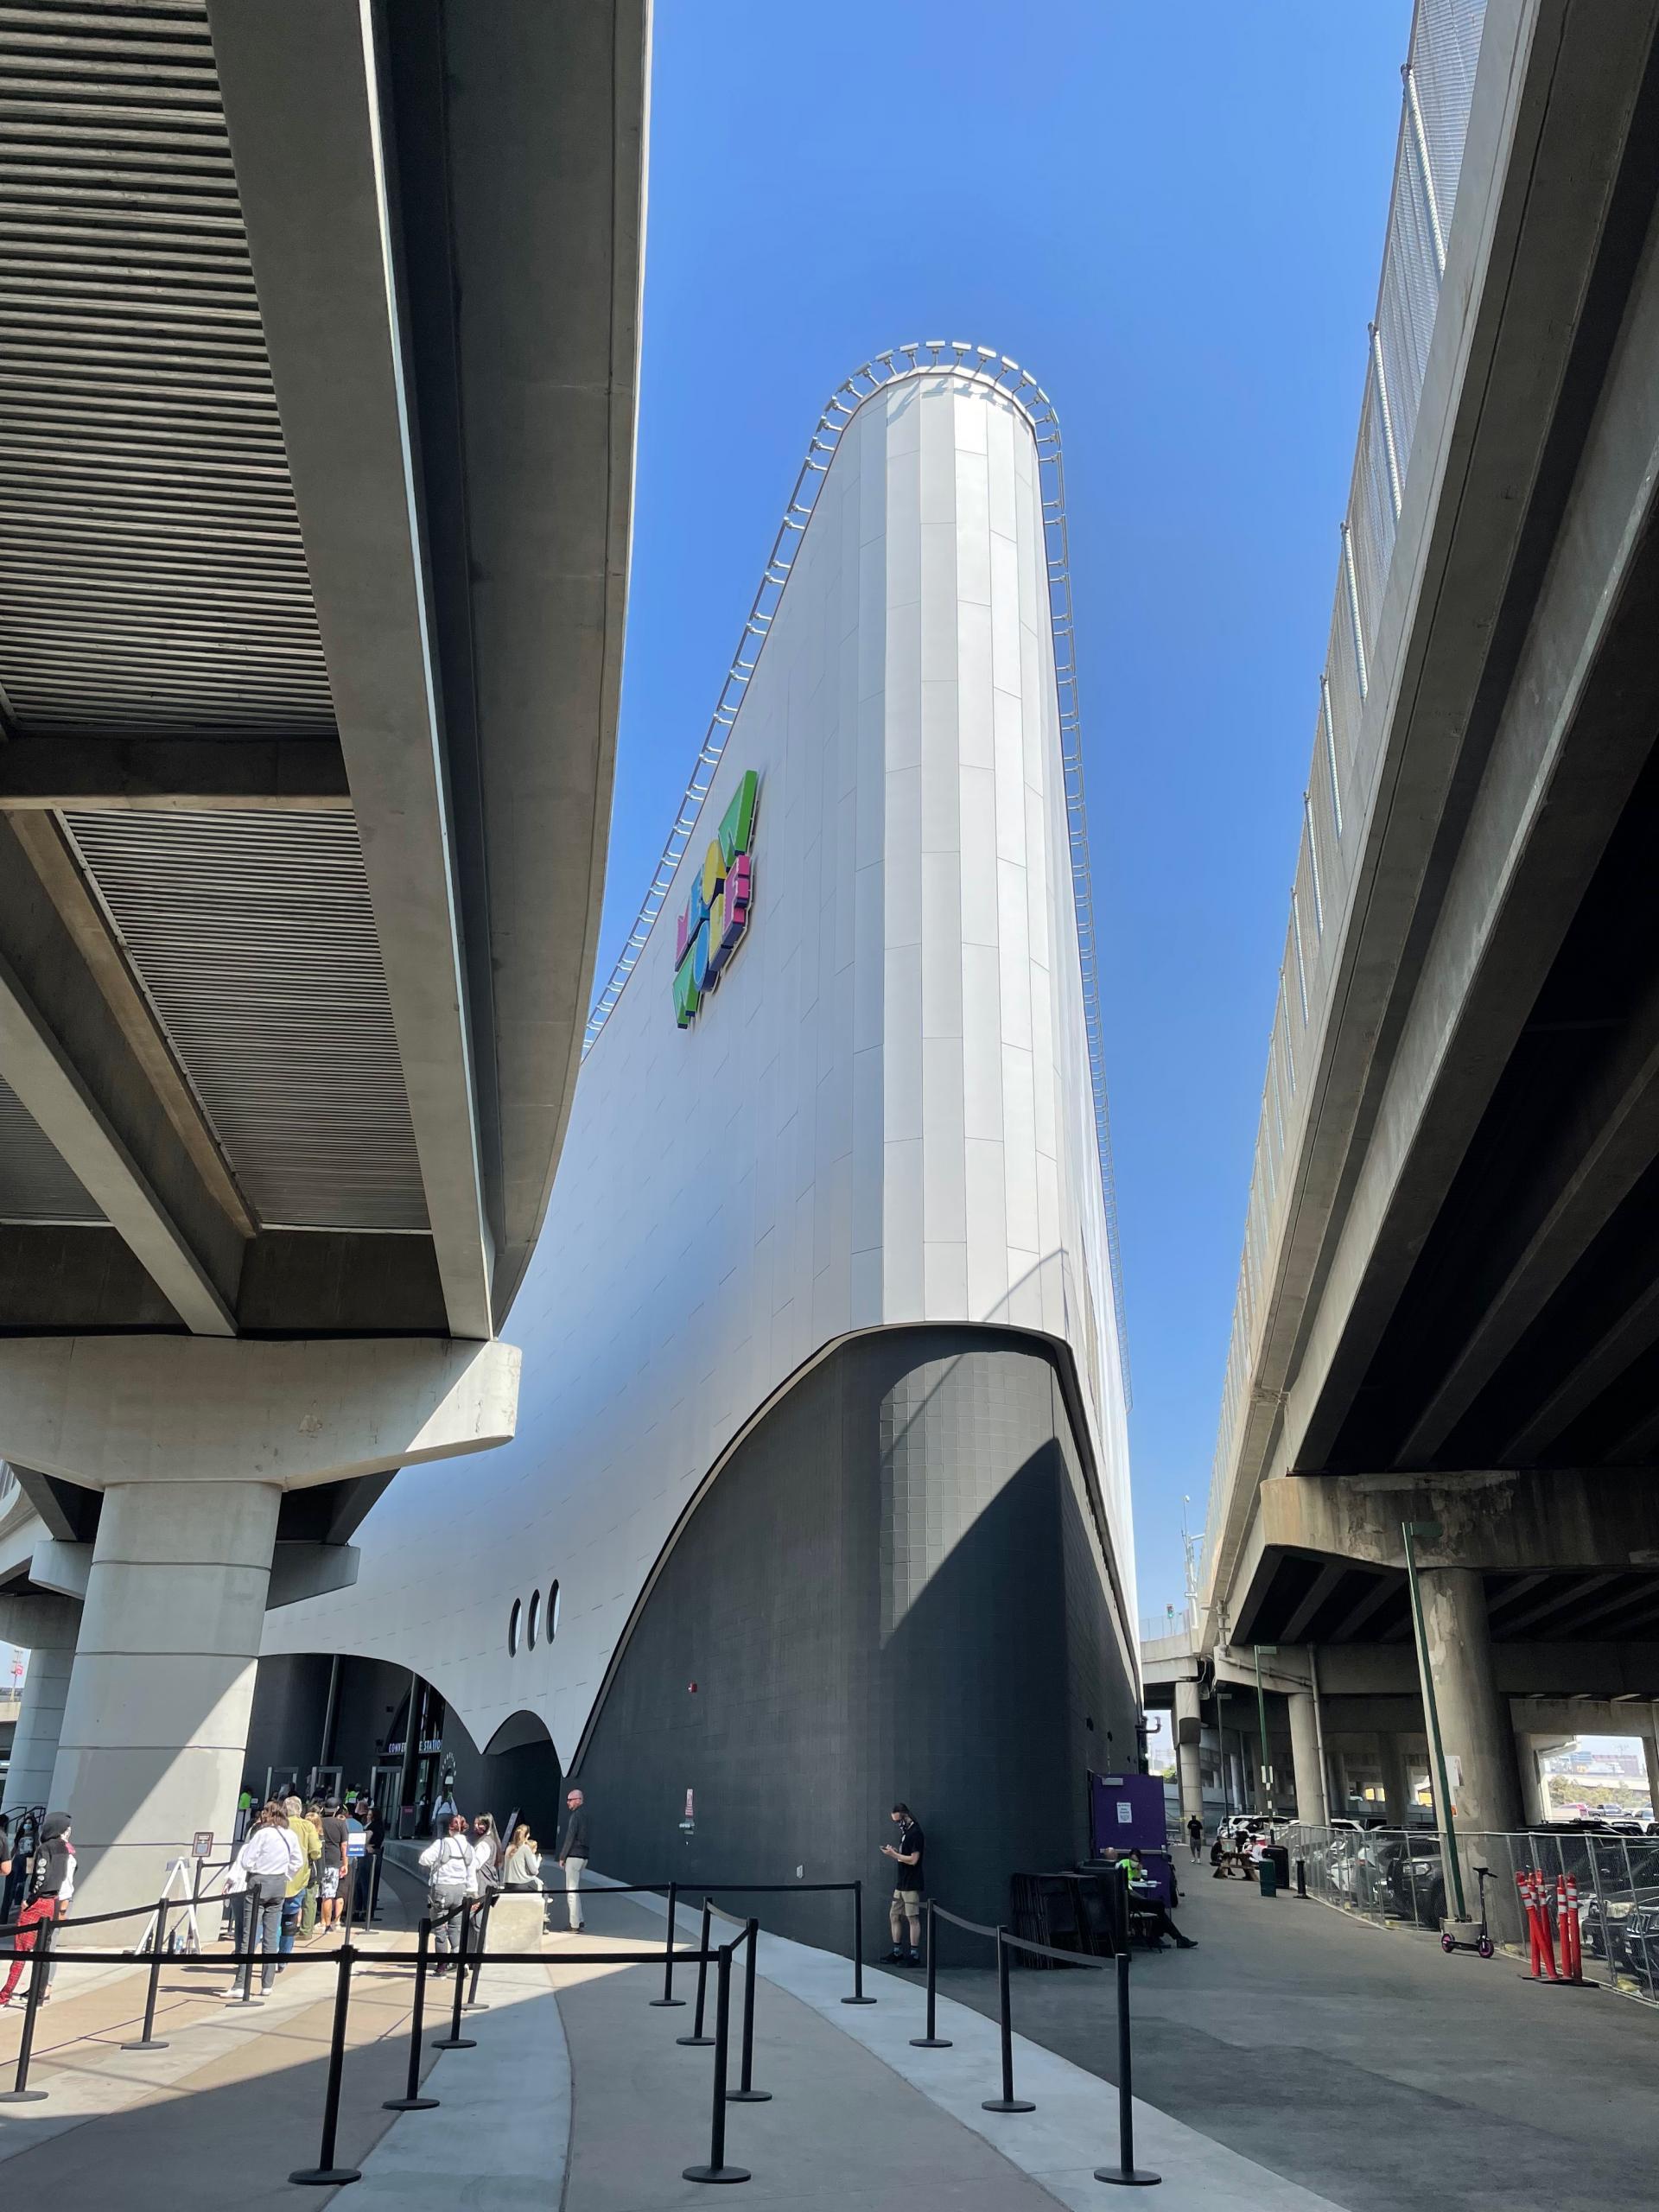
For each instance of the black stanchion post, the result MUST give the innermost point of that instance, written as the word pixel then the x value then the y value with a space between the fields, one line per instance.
pixel 858 1996
pixel 717 2169
pixel 455 2040
pixel 746 2092
pixel 473 2005
pixel 932 2040
pixel 1008 2102
pixel 1127 2175
pixel 20 2093
pixel 250 1929
pixel 148 2039
pixel 696 2036
pixel 412 2100
pixel 668 1996
pixel 1301 1878
pixel 192 1940
pixel 326 2174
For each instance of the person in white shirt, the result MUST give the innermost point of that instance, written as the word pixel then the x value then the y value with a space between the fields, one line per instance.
pixel 451 1866
pixel 269 1860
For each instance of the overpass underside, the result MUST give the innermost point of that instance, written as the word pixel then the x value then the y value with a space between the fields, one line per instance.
pixel 1449 1317
pixel 318 332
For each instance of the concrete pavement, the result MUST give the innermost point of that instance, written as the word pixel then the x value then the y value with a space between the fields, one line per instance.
pixel 1363 2063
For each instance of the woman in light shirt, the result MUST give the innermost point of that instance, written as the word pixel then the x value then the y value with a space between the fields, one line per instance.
pixel 270 1858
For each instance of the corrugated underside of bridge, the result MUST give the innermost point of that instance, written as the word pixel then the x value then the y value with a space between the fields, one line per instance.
pixel 153 581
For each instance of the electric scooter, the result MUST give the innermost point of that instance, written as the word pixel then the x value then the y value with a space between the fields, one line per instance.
pixel 1483 1945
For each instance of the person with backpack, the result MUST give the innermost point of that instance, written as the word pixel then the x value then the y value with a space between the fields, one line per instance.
pixel 51 1885
pixel 452 1882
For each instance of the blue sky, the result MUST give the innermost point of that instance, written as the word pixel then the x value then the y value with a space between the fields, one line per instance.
pixel 1174 217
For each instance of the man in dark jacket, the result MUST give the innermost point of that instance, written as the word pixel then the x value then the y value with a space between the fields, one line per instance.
pixel 573 1855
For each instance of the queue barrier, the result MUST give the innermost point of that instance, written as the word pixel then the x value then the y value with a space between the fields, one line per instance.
pixel 1125 2174
pixel 328 2173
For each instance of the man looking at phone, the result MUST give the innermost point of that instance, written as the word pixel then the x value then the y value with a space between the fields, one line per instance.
pixel 906 1857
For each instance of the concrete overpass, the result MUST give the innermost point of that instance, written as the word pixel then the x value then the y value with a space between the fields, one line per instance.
pixel 1447 1311
pixel 318 339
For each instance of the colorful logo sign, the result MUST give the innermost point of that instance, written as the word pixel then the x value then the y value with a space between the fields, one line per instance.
pixel 717 913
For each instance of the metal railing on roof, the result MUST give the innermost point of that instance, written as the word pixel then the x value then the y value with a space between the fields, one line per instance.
pixel 1437 84
pixel 980 365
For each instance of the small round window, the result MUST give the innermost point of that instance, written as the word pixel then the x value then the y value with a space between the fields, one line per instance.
pixel 535 1616
pixel 514 1619
pixel 553 1609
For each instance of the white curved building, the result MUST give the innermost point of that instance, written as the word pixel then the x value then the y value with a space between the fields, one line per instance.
pixel 820 1491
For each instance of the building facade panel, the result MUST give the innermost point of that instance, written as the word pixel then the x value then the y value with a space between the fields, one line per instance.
pixel 880 1119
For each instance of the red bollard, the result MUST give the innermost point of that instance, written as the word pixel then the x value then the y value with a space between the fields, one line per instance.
pixel 1523 1884
pixel 1572 1931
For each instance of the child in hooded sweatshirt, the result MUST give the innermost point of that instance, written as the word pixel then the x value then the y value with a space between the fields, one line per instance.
pixel 51 1886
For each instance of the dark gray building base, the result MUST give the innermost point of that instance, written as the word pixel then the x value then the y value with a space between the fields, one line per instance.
pixel 889 1592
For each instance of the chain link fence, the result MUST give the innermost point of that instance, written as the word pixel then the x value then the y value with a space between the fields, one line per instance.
pixel 1398 1877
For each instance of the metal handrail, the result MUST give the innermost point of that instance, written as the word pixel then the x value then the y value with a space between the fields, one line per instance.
pixel 982 366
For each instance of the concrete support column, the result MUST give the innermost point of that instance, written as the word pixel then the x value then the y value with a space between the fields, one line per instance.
pixel 1391 1764
pixel 1189 1768
pixel 46 1627
pixel 1475 1728
pixel 1304 1765
pixel 156 1728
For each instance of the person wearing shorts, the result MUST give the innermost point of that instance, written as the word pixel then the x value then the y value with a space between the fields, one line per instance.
pixel 908 1881
pixel 335 1830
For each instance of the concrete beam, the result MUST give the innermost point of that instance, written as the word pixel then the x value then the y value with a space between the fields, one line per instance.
pixel 58 867
pixel 1610 1670
pixel 112 1410
pixel 173 775
pixel 310 1571
pixel 1627 1340
pixel 1548 126
pixel 304 112
pixel 66 1512
pixel 61 1568
pixel 1613 1140
pixel 1575 733
pixel 1506 1521
pixel 34 1062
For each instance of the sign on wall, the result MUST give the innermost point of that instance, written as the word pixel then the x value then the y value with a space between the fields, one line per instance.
pixel 716 915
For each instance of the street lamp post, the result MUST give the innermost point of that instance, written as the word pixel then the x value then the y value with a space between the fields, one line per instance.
pixel 1262 1717
pixel 1429 1530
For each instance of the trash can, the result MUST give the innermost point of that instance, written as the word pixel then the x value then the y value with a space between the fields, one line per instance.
pixel 1276 1869
pixel 1267 1876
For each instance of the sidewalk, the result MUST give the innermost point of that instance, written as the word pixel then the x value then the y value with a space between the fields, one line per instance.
pixel 578 2098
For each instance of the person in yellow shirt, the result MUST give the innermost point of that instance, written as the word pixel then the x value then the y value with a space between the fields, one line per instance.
pixel 293 1898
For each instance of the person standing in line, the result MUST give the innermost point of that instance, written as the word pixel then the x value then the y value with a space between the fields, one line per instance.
pixel 1195 1837
pixel 356 1847
pixel 374 1834
pixel 573 1855
pixel 313 1894
pixel 908 1884
pixel 52 1884
pixel 269 1860
pixel 294 1902
pixel 451 1875
pixel 335 1831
